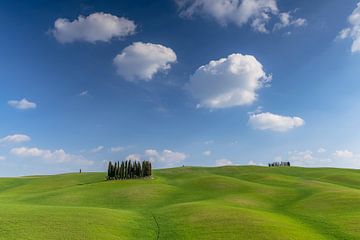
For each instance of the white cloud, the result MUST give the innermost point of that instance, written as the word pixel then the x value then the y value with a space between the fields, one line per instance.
pixel 117 149
pixel 95 27
pixel 2 158
pixel 166 157
pixel 207 153
pixel 16 138
pixel 270 121
pixel 354 30
pixel 300 155
pixel 240 12
pixel 133 157
pixel 22 104
pixel 141 61
pixel 253 163
pixel 223 162
pixel 97 149
pixel 56 156
pixel 286 19
pixel 343 154
pixel 309 158
pixel 228 82
pixel 84 93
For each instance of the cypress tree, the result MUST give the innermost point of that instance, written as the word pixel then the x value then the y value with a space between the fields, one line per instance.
pixel 115 171
pixel 132 171
pixel 109 171
pixel 122 170
pixel 119 172
pixel 129 169
pixel 143 169
pixel 126 169
pixel 139 169
pixel 150 169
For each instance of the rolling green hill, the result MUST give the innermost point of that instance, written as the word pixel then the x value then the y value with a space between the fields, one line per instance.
pixel 185 203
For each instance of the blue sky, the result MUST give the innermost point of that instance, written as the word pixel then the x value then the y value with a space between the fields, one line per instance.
pixel 186 82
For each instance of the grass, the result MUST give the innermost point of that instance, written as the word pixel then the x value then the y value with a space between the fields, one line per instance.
pixel 185 203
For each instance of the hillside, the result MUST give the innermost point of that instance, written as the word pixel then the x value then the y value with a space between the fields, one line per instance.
pixel 185 203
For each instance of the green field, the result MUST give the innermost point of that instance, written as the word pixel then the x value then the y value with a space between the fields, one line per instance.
pixel 185 203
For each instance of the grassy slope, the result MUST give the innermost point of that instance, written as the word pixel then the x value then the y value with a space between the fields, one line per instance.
pixel 185 203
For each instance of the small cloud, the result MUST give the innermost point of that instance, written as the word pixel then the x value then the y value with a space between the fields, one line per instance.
pixel 286 20
pixel 253 163
pixel 22 104
pixel 223 162
pixel 141 61
pixel 16 138
pixel 207 153
pixel 274 122
pixel 133 157
pixel 97 149
pixel 2 158
pixel 343 154
pixel 353 31
pixel 94 28
pixel 117 149
pixel 84 93
pixel 56 156
pixel 166 157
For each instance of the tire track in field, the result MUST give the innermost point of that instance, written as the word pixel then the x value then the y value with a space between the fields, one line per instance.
pixel 158 227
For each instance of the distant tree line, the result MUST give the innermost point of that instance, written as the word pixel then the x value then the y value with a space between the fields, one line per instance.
pixel 279 164
pixel 129 170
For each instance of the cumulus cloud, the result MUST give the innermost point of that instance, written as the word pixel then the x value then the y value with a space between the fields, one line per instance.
pixel 2 158
pixel 257 13
pixel 117 149
pixel 141 61
pixel 16 138
pixel 228 82
pixel 22 104
pixel 223 162
pixel 95 27
pixel 166 157
pixel 286 19
pixel 278 123
pixel 354 30
pixel 56 156
pixel 344 154
pixel 97 149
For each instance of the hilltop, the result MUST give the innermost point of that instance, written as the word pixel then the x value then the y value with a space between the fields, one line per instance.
pixel 185 203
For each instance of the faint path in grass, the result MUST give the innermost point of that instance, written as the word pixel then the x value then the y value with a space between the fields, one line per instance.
pixel 158 227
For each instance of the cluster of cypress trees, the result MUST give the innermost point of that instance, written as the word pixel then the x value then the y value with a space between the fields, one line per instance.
pixel 129 170
pixel 279 164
